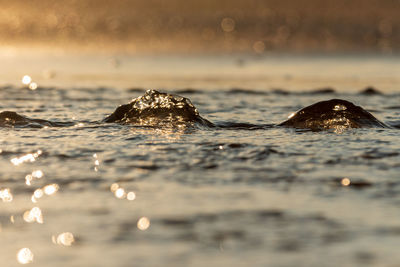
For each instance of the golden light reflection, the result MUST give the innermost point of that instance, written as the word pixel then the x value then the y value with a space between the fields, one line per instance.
pixel 26 79
pixel 38 193
pixel 228 25
pixel 38 174
pixel 291 115
pixel 121 193
pixel 25 256
pixel 6 195
pixel 345 182
pixel 339 107
pixel 143 223
pixel 33 86
pixel 118 191
pixel 33 215
pixel 12 220
pixel 51 189
pixel 114 187
pixel 31 157
pixel 64 239
pixel 259 47
pixel 131 196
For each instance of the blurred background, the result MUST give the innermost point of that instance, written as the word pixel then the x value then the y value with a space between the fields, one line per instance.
pixel 206 26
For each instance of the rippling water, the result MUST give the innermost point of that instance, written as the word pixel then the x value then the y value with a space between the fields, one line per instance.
pixel 88 193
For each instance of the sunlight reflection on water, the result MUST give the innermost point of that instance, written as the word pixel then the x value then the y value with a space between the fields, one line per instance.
pixel 5 195
pixel 33 215
pixel 64 239
pixel 31 157
pixel 143 223
pixel 25 256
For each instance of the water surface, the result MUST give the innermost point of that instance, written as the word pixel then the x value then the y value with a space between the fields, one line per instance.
pixel 197 196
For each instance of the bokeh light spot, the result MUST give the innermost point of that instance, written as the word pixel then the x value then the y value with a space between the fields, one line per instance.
pixel 345 182
pixel 25 256
pixel 65 239
pixel 26 79
pixel 143 223
pixel 33 86
pixel 5 195
pixel 228 25
pixel 50 189
pixel 131 196
pixel 33 215
pixel 259 47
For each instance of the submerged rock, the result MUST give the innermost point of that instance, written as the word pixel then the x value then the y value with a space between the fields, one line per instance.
pixel 370 91
pixel 333 114
pixel 13 119
pixel 158 109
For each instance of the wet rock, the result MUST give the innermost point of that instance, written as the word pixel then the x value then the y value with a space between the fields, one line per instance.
pixel 158 109
pixel 188 91
pixel 370 91
pixel 280 91
pixel 319 91
pixel 13 119
pixel 335 114
pixel 246 91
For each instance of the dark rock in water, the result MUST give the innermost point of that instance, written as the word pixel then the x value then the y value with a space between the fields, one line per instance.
pixel 326 90
pixel 246 91
pixel 333 114
pixel 370 91
pixel 158 109
pixel 279 91
pixel 13 119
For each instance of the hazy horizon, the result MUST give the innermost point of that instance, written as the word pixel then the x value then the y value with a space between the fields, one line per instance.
pixel 252 26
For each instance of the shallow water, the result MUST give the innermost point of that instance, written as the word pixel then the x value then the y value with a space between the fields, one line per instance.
pixel 202 196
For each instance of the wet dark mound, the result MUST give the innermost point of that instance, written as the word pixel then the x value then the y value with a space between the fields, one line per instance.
pixel 371 91
pixel 188 91
pixel 319 91
pixel 280 91
pixel 246 91
pixel 13 119
pixel 158 109
pixel 135 90
pixel 333 114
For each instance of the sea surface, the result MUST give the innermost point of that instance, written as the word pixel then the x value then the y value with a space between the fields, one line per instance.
pixel 88 193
